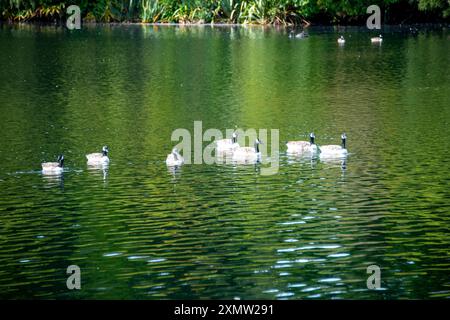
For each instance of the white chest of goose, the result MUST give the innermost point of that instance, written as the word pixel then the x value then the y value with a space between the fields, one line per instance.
pixel 174 159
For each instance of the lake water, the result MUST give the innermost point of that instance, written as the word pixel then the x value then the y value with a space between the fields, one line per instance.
pixel 141 231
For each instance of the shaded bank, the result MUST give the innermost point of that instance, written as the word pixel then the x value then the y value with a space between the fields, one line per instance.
pixel 228 11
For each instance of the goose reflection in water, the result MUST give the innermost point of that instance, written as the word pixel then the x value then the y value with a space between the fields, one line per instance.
pixel 224 157
pixel 102 169
pixel 175 172
pixel 305 158
pixel 336 163
pixel 55 180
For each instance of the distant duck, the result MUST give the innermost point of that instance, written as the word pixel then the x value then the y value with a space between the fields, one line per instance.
pixel 53 167
pixel 300 35
pixel 248 154
pixel 414 31
pixel 302 146
pixel 225 145
pixel 99 158
pixel 174 158
pixel 377 39
pixel 334 151
pixel 341 40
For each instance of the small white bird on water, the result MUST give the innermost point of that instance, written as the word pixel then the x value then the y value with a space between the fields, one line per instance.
pixel 53 167
pixel 174 158
pixel 302 146
pixel 301 35
pixel 334 151
pixel 377 39
pixel 341 40
pixel 98 158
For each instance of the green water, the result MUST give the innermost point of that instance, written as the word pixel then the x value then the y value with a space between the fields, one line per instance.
pixel 141 231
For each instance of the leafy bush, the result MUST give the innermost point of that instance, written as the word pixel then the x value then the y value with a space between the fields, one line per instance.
pixel 232 11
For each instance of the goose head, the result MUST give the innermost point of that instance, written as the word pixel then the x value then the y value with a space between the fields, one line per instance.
pixel 312 137
pixel 61 160
pixel 257 143
pixel 344 139
pixel 175 153
pixel 105 150
pixel 234 137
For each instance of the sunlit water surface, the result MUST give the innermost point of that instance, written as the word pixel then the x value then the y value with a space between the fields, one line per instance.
pixel 140 231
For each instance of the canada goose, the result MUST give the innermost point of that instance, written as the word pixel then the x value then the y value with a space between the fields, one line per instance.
pixel 224 145
pixel 334 151
pixel 341 40
pixel 248 154
pixel 302 146
pixel 53 167
pixel 174 158
pixel 300 35
pixel 377 39
pixel 99 158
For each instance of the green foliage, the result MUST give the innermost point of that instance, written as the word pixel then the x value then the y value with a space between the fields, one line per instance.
pixel 50 11
pixel 231 11
pixel 436 5
pixel 151 10
pixel 107 11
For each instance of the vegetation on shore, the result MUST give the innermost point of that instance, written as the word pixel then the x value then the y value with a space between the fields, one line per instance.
pixel 227 11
